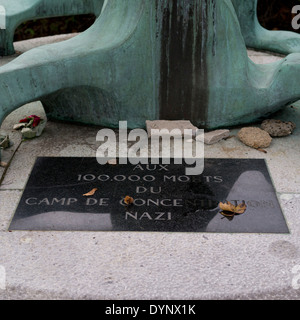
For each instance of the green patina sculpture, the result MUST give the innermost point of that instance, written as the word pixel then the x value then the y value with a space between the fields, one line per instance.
pixel 17 11
pixel 257 37
pixel 148 60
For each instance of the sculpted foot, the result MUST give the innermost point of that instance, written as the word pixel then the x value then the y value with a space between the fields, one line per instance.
pixel 257 37
pixel 14 12
pixel 91 78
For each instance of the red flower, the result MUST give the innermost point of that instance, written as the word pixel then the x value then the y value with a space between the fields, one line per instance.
pixel 26 120
pixel 35 120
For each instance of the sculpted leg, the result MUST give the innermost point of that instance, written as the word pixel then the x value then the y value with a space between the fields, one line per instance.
pixel 101 76
pixel 257 37
pixel 245 92
pixel 148 60
pixel 14 12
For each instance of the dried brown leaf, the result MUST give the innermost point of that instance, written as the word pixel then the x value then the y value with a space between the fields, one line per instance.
pixel 241 208
pixel 128 200
pixel 227 214
pixel 262 150
pixel 91 193
pixel 229 208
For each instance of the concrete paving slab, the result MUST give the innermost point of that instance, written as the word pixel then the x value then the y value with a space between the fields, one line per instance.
pixel 8 206
pixel 152 266
pixel 264 57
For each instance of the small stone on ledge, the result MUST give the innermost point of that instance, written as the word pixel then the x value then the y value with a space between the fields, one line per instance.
pixel 181 125
pixel 215 136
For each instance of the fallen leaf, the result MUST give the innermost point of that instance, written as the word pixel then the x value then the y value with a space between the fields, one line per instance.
pixel 228 208
pixel 228 214
pixel 91 193
pixel 241 208
pixel 128 200
pixel 262 150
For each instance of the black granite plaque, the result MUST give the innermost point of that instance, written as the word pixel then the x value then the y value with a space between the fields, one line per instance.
pixel 165 198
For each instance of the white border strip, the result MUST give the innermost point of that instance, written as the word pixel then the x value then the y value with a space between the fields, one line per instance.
pixel 2 17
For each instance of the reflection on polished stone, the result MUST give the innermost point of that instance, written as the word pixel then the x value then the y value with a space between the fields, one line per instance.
pixel 260 202
pixel 165 199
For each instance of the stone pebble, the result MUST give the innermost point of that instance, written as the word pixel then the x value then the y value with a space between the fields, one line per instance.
pixel 278 128
pixel 255 137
